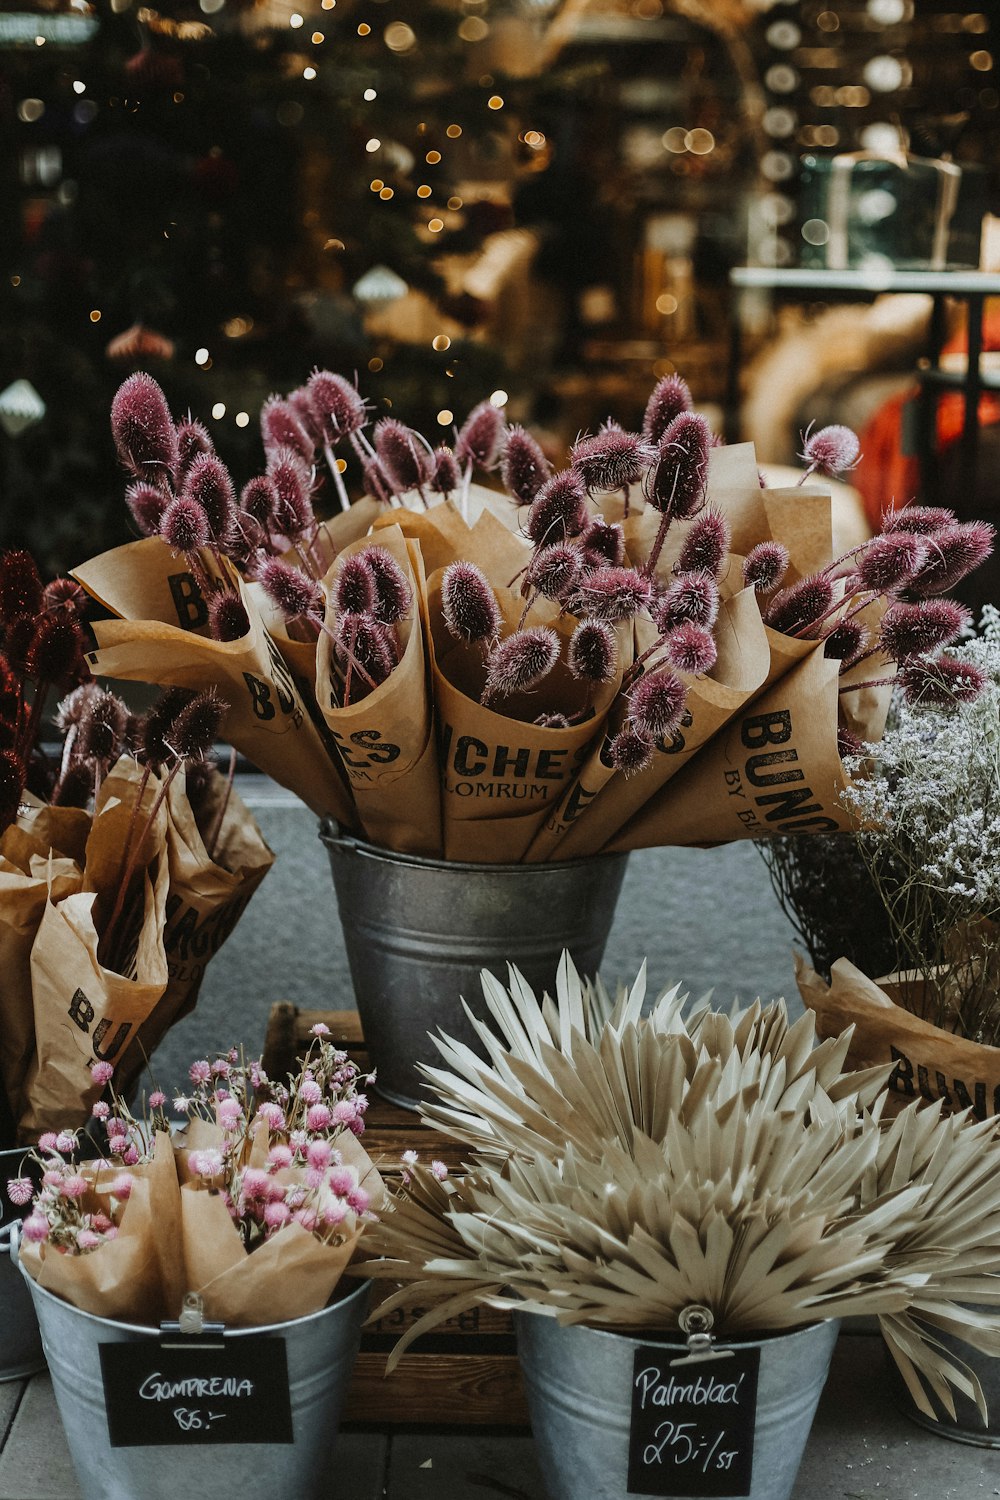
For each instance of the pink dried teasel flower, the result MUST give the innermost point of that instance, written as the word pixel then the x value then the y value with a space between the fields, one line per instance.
pixel 338 407
pixel 184 525
pixel 888 563
pixel 353 590
pixel 208 484
pixel 613 593
pixel 401 452
pixel 300 403
pixel 846 641
pixel 259 499
pixel 143 430
pixel 20 586
pixel 952 553
pixel 520 662
pixel 196 727
pixel 65 593
pixel 364 647
pixel 629 753
pixel 559 510
pixel 281 427
pixel 376 481
pixel 831 450
pixel 602 542
pixel 56 649
pixel 765 566
pixel 227 618
pixel 656 705
pixel 941 681
pixel 554 570
pixel 593 651
pixel 102 728
pixel 523 466
pixel 705 545
pixel 800 605
pixel 923 520
pixel 147 502
pixel 480 437
pixel 690 597
pixel 192 438
pixel 675 483
pixel 292 593
pixel 392 591
pixel 670 397
pixel 293 511
pixel 611 459
pixel 690 648
pixel 468 603
pixel 445 476
pixel 916 629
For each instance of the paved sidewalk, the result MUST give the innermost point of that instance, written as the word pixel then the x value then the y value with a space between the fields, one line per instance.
pixel 861 1448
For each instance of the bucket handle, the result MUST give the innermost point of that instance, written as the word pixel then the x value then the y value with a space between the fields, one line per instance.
pixel 10 1239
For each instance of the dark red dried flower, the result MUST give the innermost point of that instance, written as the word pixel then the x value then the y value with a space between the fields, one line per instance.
pixel 765 566
pixel 258 498
pixel 611 459
pixel 208 484
pixel 227 618
pixel 831 450
pixel 20 586
pixel 593 651
pixel 157 726
pixel 446 476
pixel 192 438
pixel 677 477
pixel 559 510
pixel 848 743
pixel 293 594
pixel 196 726
pixel 800 605
pixel 523 467
pixel 143 429
pixel 377 482
pixel 613 593
pixel 184 525
pixel 12 781
pixel 554 570
pixel 56 648
pixel 922 520
pixel 656 705
pixel 690 597
pixel 953 552
pixel 372 646
pixel 520 662
pixel 339 408
pixel 480 437
pixel 706 544
pixel 392 590
pixel 293 511
pixel 941 682
pixel 888 563
pixel 282 427
pixel 402 454
pixel 102 726
pixel 671 396
pixel 915 629
pixel 303 408
pixel 75 787
pixel 690 648
pixel 468 603
pixel 629 753
pixel 353 590
pixel 603 542
pixel 845 641
pixel 147 502
pixel 17 641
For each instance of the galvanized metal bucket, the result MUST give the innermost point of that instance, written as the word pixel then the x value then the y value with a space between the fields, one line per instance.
pixel 419 931
pixel 967 1425
pixel 579 1388
pixel 20 1341
pixel 320 1350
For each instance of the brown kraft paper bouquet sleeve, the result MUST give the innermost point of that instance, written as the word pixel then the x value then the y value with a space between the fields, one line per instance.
pixel 500 771
pixel 600 801
pixel 386 739
pixel 267 718
pixel 929 1062
pixel 207 895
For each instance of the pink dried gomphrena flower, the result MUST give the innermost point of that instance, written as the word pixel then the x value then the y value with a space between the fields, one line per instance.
pixel 831 450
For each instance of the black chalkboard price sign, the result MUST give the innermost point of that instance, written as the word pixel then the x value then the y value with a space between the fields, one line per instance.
pixel 193 1390
pixel 692 1423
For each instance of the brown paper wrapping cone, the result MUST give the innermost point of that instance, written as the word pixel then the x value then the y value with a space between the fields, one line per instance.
pixel 267 719
pixel 928 1062
pixel 386 739
pixel 712 701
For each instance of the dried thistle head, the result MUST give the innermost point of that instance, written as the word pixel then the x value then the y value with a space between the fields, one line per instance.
pixel 392 590
pixel 630 752
pixel 196 727
pixel 292 481
pixel 156 726
pixel 690 597
pixel 922 520
pixel 523 466
pixel 192 438
pixel 352 591
pixel 362 641
pixel 12 782
pixel 293 594
pixel 102 726
pixel 445 476
pixel 676 481
pixel 520 662
pixel 146 503
pixel 55 652
pixel 656 705
pixel 610 459
pixel 888 563
pixel 554 570
pixel 468 603
pixel 670 397
pixel 402 454
pixel 143 430
pixel 259 500
pixel 559 509
pixel 845 641
pixel 915 629
pixel 208 485
pixel 765 566
pixel 338 407
pixel 480 438
pixel 613 594
pixel 593 651
pixel 706 544
pixel 184 525
pixel 831 450
pixel 941 681
pixel 602 542
pixel 951 554
pixel 227 617
pixel 20 585
pixel 799 606
pixel 691 648
pixel 281 426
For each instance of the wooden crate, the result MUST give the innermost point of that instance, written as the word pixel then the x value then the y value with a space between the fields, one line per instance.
pixel 465 1372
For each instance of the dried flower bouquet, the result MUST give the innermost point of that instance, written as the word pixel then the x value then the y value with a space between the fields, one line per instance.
pixel 629 1162
pixel 125 860
pixel 643 647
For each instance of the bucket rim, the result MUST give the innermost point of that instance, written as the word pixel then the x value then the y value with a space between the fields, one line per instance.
pixel 148 1331
pixel 677 1341
pixel 333 837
